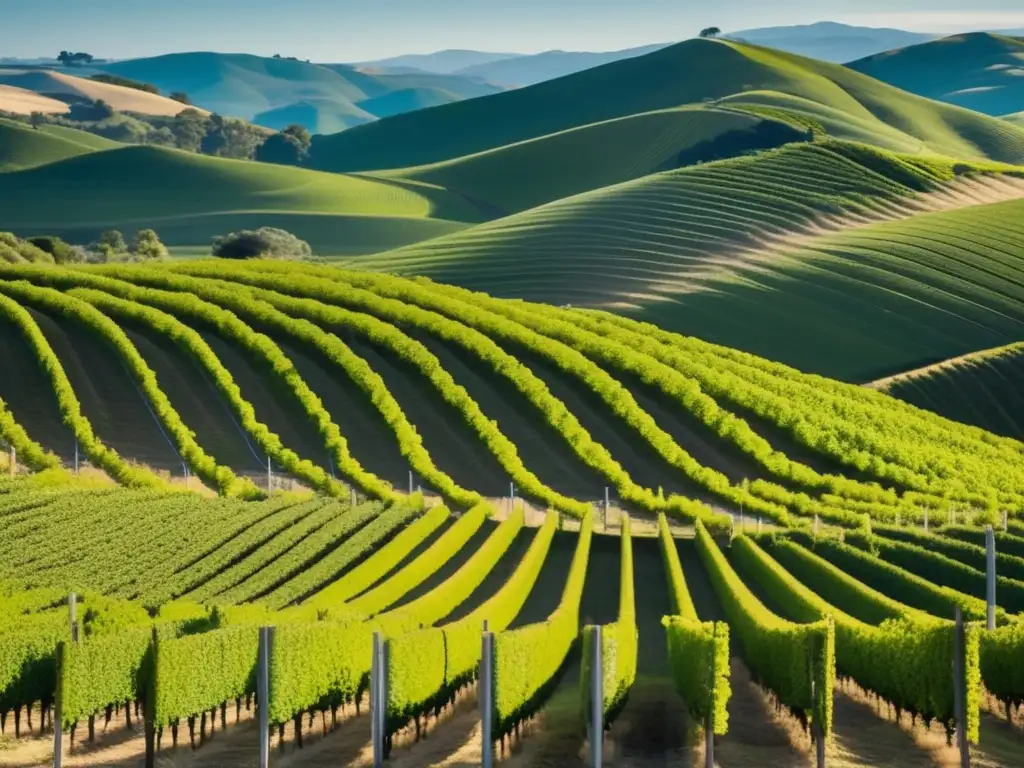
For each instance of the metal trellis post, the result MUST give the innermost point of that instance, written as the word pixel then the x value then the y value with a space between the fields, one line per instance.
pixel 596 701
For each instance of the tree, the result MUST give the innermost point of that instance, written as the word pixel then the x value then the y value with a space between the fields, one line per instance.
pixel 189 128
pixel 300 134
pixel 92 112
pixel 182 97
pixel 265 242
pixel 69 59
pixel 213 143
pixel 62 252
pixel 109 247
pixel 710 32
pixel 125 82
pixel 147 246
pixel 282 149
pixel 37 119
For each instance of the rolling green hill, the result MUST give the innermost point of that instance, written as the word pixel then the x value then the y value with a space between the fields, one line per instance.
pixel 980 71
pixel 984 388
pixel 275 91
pixel 714 69
pixel 21 146
pixel 1017 119
pixel 191 198
pixel 526 174
pixel 739 252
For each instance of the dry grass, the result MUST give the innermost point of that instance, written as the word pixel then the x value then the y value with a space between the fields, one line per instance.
pixel 119 97
pixel 24 102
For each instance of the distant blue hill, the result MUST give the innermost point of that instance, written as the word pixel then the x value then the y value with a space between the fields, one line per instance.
pixel 272 91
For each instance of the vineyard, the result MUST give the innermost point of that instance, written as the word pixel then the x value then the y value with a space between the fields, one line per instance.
pixel 201 450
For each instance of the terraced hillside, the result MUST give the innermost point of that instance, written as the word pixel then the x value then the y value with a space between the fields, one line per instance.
pixel 981 388
pixel 743 252
pixel 979 71
pixel 172 591
pixel 191 198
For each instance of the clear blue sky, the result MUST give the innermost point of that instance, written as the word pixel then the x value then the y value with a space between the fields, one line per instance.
pixel 352 30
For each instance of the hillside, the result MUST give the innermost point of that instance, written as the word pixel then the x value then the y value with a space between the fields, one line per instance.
pixel 272 92
pixel 850 102
pixel 436 375
pixel 826 40
pixel 443 62
pixel 983 388
pixel 740 252
pixel 69 88
pixel 526 174
pixel 830 41
pixel 191 198
pixel 539 67
pixel 979 71
pixel 23 102
pixel 24 147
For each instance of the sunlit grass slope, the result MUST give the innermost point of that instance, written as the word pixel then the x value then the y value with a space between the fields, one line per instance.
pixel 984 388
pixel 189 198
pixel 21 146
pixel 693 72
pixel 736 252
pixel 528 173
pixel 980 71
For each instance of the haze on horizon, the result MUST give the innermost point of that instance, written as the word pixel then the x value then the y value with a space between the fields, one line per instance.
pixel 347 30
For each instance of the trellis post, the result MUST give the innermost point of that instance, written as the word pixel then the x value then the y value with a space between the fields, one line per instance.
pixel 990 578
pixel 596 726
pixel 263 693
pixel 379 698
pixel 960 690
pixel 487 699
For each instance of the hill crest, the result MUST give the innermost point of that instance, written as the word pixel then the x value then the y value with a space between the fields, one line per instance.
pixel 690 73
pixel 982 71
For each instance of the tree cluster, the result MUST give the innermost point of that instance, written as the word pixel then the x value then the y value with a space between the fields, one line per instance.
pixel 288 147
pixel 111 246
pixel 125 82
pixel 262 243
pixel 189 130
pixel 69 59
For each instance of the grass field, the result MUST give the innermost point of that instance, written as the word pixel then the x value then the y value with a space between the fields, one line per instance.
pixel 191 198
pixel 981 388
pixel 23 147
pixel 63 86
pixel 979 71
